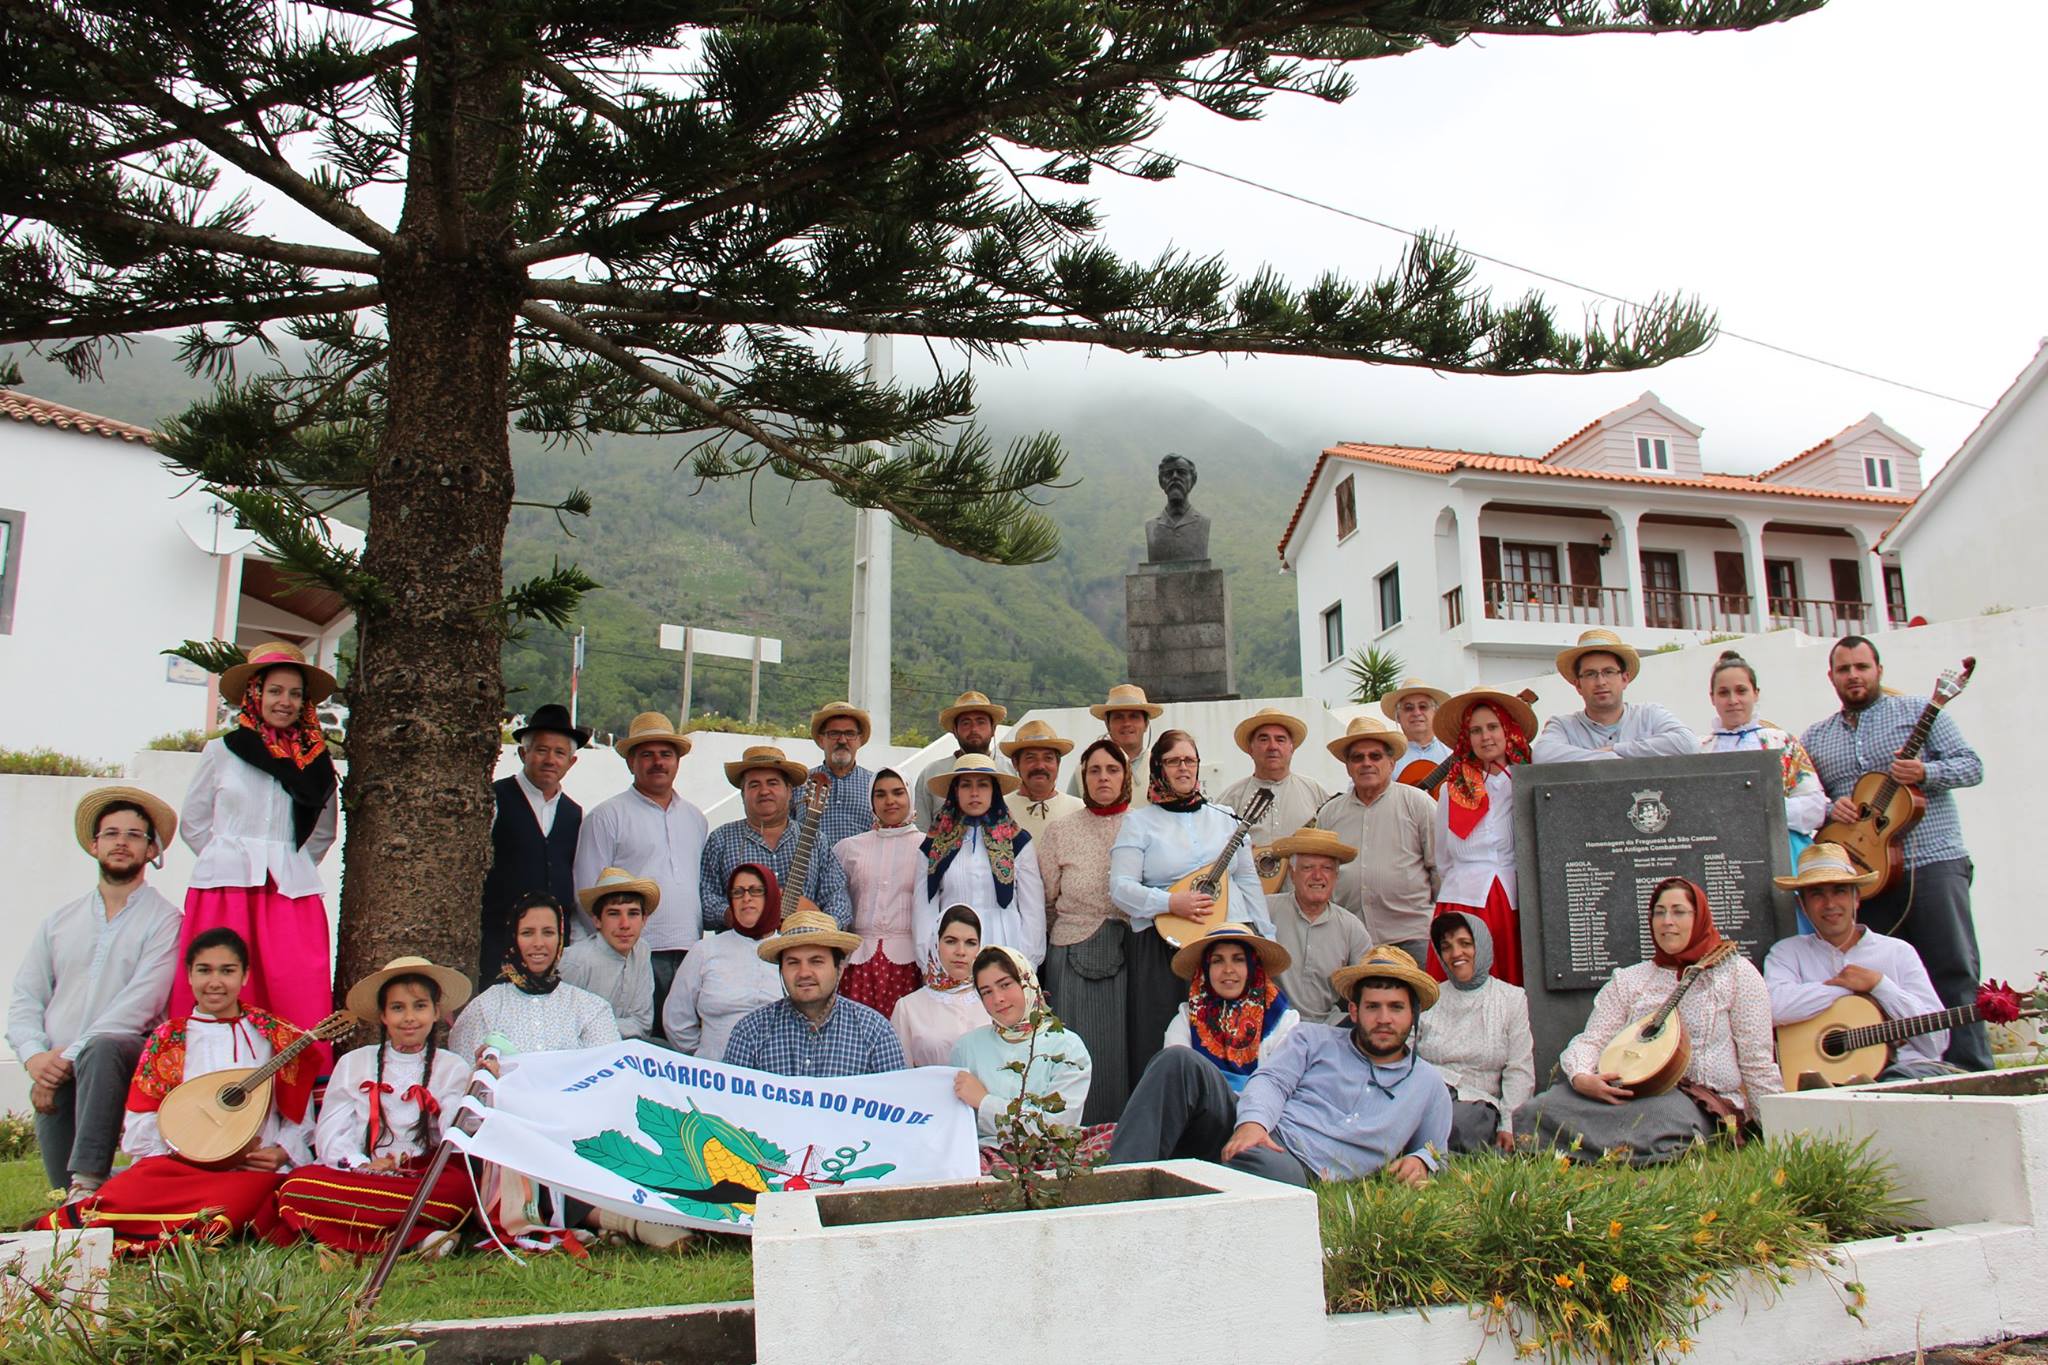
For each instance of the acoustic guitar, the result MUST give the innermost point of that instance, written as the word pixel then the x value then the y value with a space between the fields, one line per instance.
pixel 1852 1041
pixel 213 1120
pixel 816 792
pixel 1887 808
pixel 1429 776
pixel 1213 879
pixel 1650 1056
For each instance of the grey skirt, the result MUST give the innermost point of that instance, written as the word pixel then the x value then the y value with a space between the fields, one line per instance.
pixel 1654 1130
pixel 1155 994
pixel 1088 987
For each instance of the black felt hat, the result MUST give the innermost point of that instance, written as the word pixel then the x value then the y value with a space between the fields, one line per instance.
pixel 555 718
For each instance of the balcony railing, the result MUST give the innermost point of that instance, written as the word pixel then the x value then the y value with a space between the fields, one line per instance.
pixel 1454 608
pixel 1510 599
pixel 1818 616
pixel 1719 613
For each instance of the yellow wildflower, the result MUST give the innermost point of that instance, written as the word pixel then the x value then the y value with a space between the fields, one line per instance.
pixel 1614 1230
pixel 1709 1216
pixel 1562 1280
pixel 1438 1288
pixel 1778 1177
pixel 1762 1249
pixel 1703 1236
pixel 1685 1346
pixel 1526 1349
pixel 1618 1285
pixel 1696 1300
pixel 1499 1301
pixel 1571 1311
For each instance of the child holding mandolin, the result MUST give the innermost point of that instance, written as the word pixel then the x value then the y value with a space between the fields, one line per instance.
pixel 165 1193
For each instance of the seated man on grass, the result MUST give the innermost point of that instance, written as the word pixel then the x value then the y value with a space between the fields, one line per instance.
pixel 1328 1103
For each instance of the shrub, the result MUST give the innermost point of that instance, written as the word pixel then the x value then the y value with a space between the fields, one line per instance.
pixel 1374 673
pixel 17 1136
pixel 730 725
pixel 50 763
pixel 910 738
pixel 181 741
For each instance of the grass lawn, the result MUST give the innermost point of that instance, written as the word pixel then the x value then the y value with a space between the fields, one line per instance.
pixel 481 1284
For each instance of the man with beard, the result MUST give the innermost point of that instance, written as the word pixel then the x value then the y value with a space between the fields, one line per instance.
pixel 971 720
pixel 839 729
pixel 1036 752
pixel 811 1031
pixel 1330 1103
pixel 93 985
pixel 1928 906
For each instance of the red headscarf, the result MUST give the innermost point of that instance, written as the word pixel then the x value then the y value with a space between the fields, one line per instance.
pixel 1466 784
pixel 1705 937
pixel 771 913
pixel 298 745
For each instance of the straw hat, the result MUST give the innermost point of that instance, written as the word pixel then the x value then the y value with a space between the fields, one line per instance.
pixel 1390 702
pixel 803 929
pixel 972 701
pixel 1387 960
pixel 1188 960
pixel 1126 697
pixel 1828 865
pixel 833 709
pixel 648 727
pixel 1270 715
pixel 616 881
pixel 1450 716
pixel 234 682
pixel 1320 842
pixel 1598 641
pixel 1368 727
pixel 362 997
pixel 1035 734
pixel 941 784
pixel 86 820
pixel 766 756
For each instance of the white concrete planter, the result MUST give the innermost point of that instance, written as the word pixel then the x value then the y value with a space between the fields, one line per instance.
pixel 1116 1282
pixel 85 1257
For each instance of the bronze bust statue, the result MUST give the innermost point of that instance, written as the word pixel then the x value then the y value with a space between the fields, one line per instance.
pixel 1179 534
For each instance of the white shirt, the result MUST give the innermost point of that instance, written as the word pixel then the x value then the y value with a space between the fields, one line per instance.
pixel 1480 1040
pixel 1798 967
pixel 721 982
pixel 1034 816
pixel 970 881
pixel 664 845
pixel 1466 867
pixel 543 806
pixel 211 1046
pixel 344 1126
pixel 1727 1016
pixel 85 974
pixel 625 983
pixel 238 819
pixel 1155 848
pixel 566 1017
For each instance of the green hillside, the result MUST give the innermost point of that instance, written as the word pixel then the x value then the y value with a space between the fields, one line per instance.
pixel 775 560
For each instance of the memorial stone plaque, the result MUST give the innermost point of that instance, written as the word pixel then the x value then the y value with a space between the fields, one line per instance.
pixel 1592 839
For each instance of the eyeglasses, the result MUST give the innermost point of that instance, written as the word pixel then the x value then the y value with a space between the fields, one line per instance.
pixel 1601 674
pixel 840 734
pixel 1178 762
pixel 123 836
pixel 747 893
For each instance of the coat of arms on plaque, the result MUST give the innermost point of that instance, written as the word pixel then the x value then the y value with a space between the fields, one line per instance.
pixel 1648 813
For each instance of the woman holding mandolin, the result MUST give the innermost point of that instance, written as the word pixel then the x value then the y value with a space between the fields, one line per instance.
pixel 1675 1047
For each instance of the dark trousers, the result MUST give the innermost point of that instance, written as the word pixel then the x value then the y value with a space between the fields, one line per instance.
pixel 664 961
pixel 81 1135
pixel 1184 1109
pixel 1929 907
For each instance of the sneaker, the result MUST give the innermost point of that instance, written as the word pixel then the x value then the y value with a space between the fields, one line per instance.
pixel 662 1235
pixel 83 1187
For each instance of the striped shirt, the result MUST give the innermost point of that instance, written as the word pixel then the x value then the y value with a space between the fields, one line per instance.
pixel 1848 744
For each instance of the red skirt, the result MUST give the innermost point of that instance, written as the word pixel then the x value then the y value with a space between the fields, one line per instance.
pixel 357 1211
pixel 879 983
pixel 1504 922
pixel 160 1197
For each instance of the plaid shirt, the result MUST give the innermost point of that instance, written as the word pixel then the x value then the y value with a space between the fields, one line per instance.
pixel 849 809
pixel 1846 745
pixel 853 1041
pixel 737 842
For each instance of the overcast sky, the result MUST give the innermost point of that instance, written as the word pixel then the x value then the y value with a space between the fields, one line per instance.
pixel 1851 184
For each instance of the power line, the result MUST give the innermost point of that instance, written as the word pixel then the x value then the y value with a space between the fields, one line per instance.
pixel 1559 279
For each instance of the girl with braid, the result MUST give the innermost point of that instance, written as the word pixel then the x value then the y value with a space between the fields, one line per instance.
pixel 382 1120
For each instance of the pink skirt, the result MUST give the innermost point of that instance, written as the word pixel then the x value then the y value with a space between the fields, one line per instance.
pixel 1503 922
pixel 290 963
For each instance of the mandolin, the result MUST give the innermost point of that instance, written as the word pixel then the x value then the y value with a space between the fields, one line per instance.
pixel 1887 809
pixel 1429 776
pixel 1213 879
pixel 1271 867
pixel 1650 1056
pixel 213 1120
pixel 816 792
pixel 1852 1042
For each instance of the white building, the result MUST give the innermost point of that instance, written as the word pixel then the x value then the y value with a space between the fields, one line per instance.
pixel 1472 566
pixel 1972 541
pixel 106 559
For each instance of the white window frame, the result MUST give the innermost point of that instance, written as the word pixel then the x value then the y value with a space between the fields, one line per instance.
pixel 1379 596
pixel 1878 475
pixel 10 564
pixel 1333 613
pixel 1648 449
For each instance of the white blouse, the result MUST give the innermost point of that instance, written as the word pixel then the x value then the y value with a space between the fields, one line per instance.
pixel 344 1125
pixel 1727 1016
pixel 720 983
pixel 238 819
pixel 1466 868
pixel 885 881
pixel 929 1022
pixel 971 882
pixel 1480 1040
pixel 211 1045
pixel 566 1017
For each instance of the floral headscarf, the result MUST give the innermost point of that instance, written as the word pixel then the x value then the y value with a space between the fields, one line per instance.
pixel 514 969
pixel 935 967
pixel 1002 838
pixel 1705 937
pixel 296 758
pixel 1467 780
pixel 771 911
pixel 1034 997
pixel 1123 801
pixel 1228 1032
pixel 1160 792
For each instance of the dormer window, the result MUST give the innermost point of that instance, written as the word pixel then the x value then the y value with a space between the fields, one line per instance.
pixel 1877 473
pixel 1653 454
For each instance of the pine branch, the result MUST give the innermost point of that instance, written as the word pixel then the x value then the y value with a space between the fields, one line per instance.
pixel 127 323
pixel 215 656
pixel 551 598
pixel 146 233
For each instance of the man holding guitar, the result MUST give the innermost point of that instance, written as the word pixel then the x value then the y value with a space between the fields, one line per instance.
pixel 1914 743
pixel 767 834
pixel 1809 973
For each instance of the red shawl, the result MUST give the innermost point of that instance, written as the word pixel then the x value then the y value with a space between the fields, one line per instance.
pixel 162 1067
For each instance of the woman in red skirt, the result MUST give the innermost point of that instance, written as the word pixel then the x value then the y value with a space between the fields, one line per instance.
pixel 382 1120
pixel 884 878
pixel 1488 732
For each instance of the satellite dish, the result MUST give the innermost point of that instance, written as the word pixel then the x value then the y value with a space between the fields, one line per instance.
pixel 211 526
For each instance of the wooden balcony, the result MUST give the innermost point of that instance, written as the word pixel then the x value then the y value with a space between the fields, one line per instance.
pixel 1509 599
pixel 1705 613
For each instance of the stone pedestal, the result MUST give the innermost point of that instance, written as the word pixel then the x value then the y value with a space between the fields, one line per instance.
pixel 1177 631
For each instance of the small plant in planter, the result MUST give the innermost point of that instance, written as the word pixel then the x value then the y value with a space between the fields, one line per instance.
pixel 1040 1157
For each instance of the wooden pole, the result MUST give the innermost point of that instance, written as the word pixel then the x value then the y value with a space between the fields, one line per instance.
pixel 754 687
pixel 684 722
pixel 367 1300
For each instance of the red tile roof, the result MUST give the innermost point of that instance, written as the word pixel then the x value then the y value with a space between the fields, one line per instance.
pixel 1573 437
pixel 1423 460
pixel 1784 465
pixel 25 408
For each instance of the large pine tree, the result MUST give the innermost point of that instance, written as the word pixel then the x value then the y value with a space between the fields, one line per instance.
pixel 643 216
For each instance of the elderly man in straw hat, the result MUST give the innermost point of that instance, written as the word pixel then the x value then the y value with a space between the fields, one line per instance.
pixel 92 984
pixel 1412 706
pixel 1270 736
pixel 656 833
pixel 766 834
pixel 1035 751
pixel 1392 885
pixel 971 720
pixel 1309 924
pixel 1127 715
pixel 613 963
pixel 534 827
pixel 812 1030
pixel 839 729
pixel 1806 973
pixel 1602 667
pixel 1327 1103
